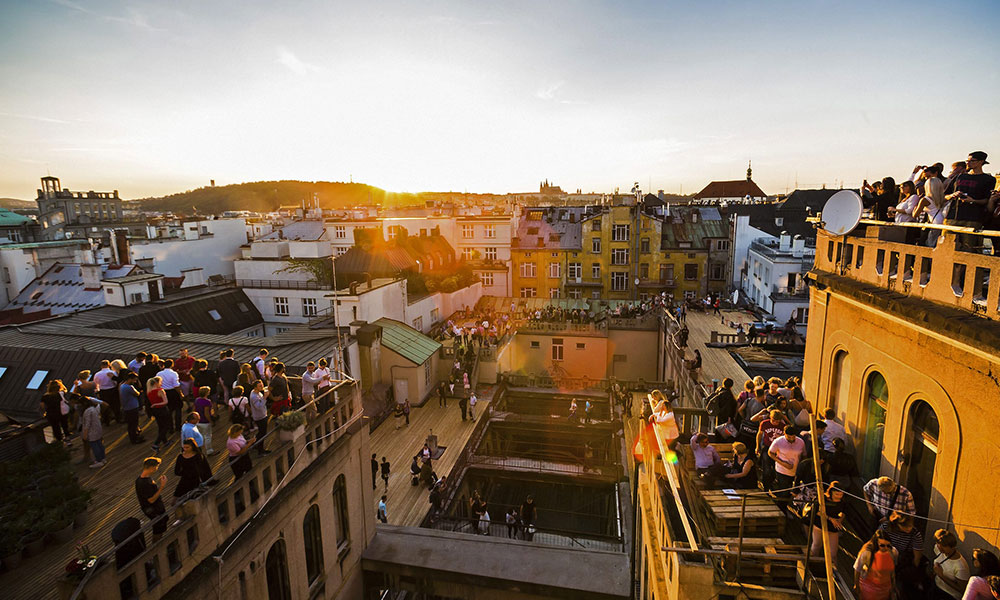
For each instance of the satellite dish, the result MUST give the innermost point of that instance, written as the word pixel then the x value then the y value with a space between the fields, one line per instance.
pixel 841 213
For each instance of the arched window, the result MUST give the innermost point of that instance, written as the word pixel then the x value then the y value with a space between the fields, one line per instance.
pixel 313 537
pixel 276 567
pixel 840 381
pixel 877 400
pixel 921 454
pixel 340 506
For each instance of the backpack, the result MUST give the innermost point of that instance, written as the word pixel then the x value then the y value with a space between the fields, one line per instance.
pixel 253 366
pixel 712 403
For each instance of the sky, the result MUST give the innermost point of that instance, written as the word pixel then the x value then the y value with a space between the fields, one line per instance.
pixel 153 97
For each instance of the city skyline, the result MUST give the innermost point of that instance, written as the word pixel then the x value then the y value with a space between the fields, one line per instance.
pixel 154 100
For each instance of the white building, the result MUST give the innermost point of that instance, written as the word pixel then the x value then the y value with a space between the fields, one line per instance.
pixel 483 241
pixel 211 244
pixel 20 264
pixel 774 279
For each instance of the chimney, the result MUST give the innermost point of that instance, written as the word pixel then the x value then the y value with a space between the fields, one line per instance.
pixel 784 242
pixel 798 246
pixel 659 194
pixel 91 275
pixel 355 325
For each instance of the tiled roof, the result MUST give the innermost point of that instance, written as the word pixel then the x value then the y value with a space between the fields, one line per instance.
pixel 299 230
pixel 407 341
pixel 680 227
pixel 558 229
pixel 731 189
pixel 61 290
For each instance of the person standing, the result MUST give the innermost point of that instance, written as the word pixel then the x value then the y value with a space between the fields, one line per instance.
pixel 147 371
pixel 171 384
pixel 875 569
pixel 239 451
pixel 129 397
pixel 383 510
pixel 189 430
pixel 442 396
pixel 406 411
pixel 323 384
pixel 309 382
pixel 183 366
pixel 259 364
pixel 93 431
pixel 137 362
pixel 192 467
pixel 203 408
pixel 258 412
pixel 157 399
pixel 883 496
pixel 511 518
pixel 786 451
pixel 951 571
pixel 528 517
pixel 239 406
pixel 56 409
pixel 463 404
pixel 834 522
pixel 148 492
pixel 229 371
pixel 278 390
pixel 384 467
pixel 472 406
pixel 374 471
pixel 108 392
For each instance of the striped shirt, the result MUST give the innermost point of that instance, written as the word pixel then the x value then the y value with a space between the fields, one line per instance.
pixel 881 500
pixel 904 540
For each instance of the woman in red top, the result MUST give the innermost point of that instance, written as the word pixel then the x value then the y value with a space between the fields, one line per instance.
pixel 158 410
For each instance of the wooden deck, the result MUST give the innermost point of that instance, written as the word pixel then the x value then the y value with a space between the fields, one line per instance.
pixel 716 363
pixel 114 500
pixel 408 504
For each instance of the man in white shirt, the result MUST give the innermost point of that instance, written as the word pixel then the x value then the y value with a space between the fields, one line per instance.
pixel 260 365
pixel 786 451
pixel 138 361
pixel 108 392
pixel 834 430
pixel 310 379
pixel 171 383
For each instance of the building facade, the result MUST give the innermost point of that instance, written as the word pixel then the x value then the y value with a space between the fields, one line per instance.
pixel 774 278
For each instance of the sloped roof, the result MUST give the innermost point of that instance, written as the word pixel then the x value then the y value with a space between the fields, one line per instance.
pixel 407 341
pixel 679 227
pixel 731 189
pixel 61 290
pixel 554 229
pixel 9 218
pixel 299 230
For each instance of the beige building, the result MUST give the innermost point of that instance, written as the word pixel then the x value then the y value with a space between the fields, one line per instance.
pixel 904 342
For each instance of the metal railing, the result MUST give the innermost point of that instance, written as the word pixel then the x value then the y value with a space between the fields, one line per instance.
pixel 282 284
pixel 542 535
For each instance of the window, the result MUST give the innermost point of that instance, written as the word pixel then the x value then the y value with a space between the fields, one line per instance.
pixel 392 231
pixel 487 279
pixel 136 298
pixel 418 323
pixel 243 307
pixel 555 270
pixel 308 307
pixel 2 371
pixel 595 245
pixel 840 381
pixel 312 535
pixel 341 250
pixel 595 271
pixel 595 295
pixel 528 292
pixel 620 233
pixel 536 344
pixel 276 567
pixel 581 346
pixel 722 244
pixel 575 270
pixel 619 281
pixel 281 306
pixel 340 232
pixel 877 396
pixel 554 293
pixel 340 506
pixel 435 315
pixel 644 245
pixel 36 380
pixel 575 294
pixel 802 315
pixel 215 315
pixel 528 269
pixel 644 271
pixel 691 271
pixel 619 256
pixel 490 253
pixel 596 225
pixel 489 231
pixel 557 349
pixel 666 273
pixel 716 271
pixel 466 253
pixel 468 231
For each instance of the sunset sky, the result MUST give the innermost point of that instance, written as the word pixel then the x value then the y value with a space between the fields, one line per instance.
pixel 157 97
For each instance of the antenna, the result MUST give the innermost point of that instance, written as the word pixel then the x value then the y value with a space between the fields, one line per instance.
pixel 841 213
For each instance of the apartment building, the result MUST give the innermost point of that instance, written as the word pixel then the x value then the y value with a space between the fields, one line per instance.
pixel 547 243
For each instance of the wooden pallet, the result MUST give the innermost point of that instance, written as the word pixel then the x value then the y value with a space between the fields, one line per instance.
pixel 780 572
pixel 761 518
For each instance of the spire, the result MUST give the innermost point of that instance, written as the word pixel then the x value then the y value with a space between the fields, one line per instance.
pixel 749 170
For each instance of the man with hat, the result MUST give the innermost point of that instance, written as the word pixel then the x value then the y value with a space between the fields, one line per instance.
pixel 969 194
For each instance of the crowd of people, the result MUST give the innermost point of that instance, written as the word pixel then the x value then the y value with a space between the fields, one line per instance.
pixel 965 196
pixel 768 427
pixel 183 396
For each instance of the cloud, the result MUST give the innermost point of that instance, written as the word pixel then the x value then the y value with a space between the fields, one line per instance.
pixel 73 6
pixel 34 118
pixel 548 92
pixel 294 63
pixel 134 19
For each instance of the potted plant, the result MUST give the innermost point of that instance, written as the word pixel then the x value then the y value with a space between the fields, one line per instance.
pixel 290 425
pixel 63 519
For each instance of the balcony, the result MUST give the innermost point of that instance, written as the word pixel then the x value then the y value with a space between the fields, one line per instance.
pixel 281 284
pixel 947 276
pixel 214 514
pixel 565 327
pixel 780 293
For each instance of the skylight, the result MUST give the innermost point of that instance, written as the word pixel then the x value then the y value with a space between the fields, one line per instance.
pixel 215 314
pixel 36 380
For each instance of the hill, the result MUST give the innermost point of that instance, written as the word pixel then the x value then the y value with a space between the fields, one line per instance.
pixel 15 204
pixel 263 196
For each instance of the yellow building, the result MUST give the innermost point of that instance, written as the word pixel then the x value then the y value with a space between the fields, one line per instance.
pixel 904 344
pixel 547 240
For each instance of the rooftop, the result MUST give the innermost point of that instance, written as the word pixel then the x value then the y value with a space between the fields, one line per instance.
pixel 407 341
pixel 61 289
pixel 550 228
pixel 740 188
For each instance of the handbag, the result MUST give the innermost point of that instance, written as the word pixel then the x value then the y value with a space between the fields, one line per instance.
pixel 63 405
